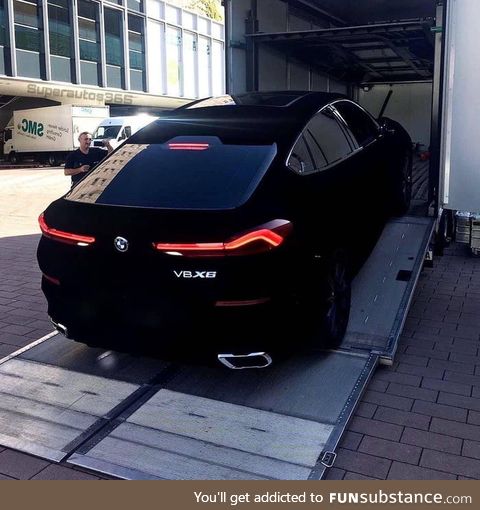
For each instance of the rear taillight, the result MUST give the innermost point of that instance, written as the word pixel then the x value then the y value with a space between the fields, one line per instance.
pixel 259 240
pixel 63 237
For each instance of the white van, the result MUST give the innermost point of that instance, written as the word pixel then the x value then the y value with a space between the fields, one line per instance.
pixel 118 129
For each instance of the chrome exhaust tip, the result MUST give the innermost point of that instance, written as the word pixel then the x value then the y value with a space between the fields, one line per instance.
pixel 242 361
pixel 60 328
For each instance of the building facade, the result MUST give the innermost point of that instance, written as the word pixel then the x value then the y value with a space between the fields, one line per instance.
pixel 147 49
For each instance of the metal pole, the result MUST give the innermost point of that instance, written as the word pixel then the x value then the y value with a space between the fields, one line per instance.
pixel 46 42
pixel 227 4
pixel 437 99
pixel 251 27
pixel 103 52
pixel 76 41
pixel 11 35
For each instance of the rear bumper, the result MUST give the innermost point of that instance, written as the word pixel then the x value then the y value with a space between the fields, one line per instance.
pixel 152 322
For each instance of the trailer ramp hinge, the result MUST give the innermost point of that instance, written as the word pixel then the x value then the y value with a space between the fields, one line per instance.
pixel 328 459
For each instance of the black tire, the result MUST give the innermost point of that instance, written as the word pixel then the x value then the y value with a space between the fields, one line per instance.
pixel 52 159
pixel 328 303
pixel 402 192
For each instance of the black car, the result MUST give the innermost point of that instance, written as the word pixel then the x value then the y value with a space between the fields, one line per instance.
pixel 225 219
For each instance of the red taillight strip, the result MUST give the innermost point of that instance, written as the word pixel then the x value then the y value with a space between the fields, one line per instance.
pixel 270 237
pixel 188 146
pixel 60 235
pixel 189 247
pixel 258 235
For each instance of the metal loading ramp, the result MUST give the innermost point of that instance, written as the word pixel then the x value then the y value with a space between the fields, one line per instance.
pixel 383 290
pixel 140 418
pixel 208 423
pixel 44 409
pixel 48 407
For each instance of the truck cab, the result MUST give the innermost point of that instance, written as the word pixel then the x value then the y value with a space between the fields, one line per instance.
pixel 8 147
pixel 118 129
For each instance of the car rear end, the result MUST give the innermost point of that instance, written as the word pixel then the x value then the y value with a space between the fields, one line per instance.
pixel 164 242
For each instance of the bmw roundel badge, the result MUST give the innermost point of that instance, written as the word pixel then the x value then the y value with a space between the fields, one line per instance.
pixel 121 244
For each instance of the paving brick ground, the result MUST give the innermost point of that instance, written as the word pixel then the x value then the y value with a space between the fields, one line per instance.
pixel 419 419
pixel 23 317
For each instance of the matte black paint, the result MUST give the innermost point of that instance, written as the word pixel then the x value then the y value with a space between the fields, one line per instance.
pixel 124 299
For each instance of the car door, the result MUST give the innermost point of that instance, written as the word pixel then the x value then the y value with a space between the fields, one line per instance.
pixel 370 161
pixel 321 157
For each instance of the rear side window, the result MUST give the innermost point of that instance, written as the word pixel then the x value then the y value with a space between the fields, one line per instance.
pixel 300 160
pixel 316 151
pixel 178 174
pixel 360 123
pixel 330 136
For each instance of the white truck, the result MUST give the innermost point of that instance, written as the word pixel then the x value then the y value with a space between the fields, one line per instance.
pixel 118 129
pixel 48 134
pixel 460 150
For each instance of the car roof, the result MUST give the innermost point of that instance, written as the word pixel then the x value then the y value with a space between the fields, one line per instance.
pixel 289 99
pixel 269 117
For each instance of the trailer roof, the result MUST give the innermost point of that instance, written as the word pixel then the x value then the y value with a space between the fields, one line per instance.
pixel 375 52
pixel 353 12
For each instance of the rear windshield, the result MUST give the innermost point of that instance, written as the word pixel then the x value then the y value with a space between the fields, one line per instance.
pixel 178 174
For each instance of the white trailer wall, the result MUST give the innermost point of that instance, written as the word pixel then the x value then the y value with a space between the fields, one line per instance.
pixel 410 104
pixel 460 153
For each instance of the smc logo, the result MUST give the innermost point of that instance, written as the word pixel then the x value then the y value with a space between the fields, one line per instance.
pixel 195 274
pixel 31 127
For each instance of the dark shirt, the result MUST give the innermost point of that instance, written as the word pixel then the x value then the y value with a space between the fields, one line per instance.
pixel 77 158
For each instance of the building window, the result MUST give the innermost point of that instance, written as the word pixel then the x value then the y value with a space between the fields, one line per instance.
pixel 28 38
pixel 88 31
pixel 189 66
pixel 173 45
pixel 217 68
pixel 135 5
pixel 59 27
pixel 204 69
pixel 60 37
pixel 114 48
pixel 3 37
pixel 136 46
pixel 28 35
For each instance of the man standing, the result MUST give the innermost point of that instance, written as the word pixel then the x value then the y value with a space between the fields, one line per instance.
pixel 81 160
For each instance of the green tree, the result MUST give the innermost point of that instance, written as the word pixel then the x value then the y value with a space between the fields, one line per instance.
pixel 209 8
